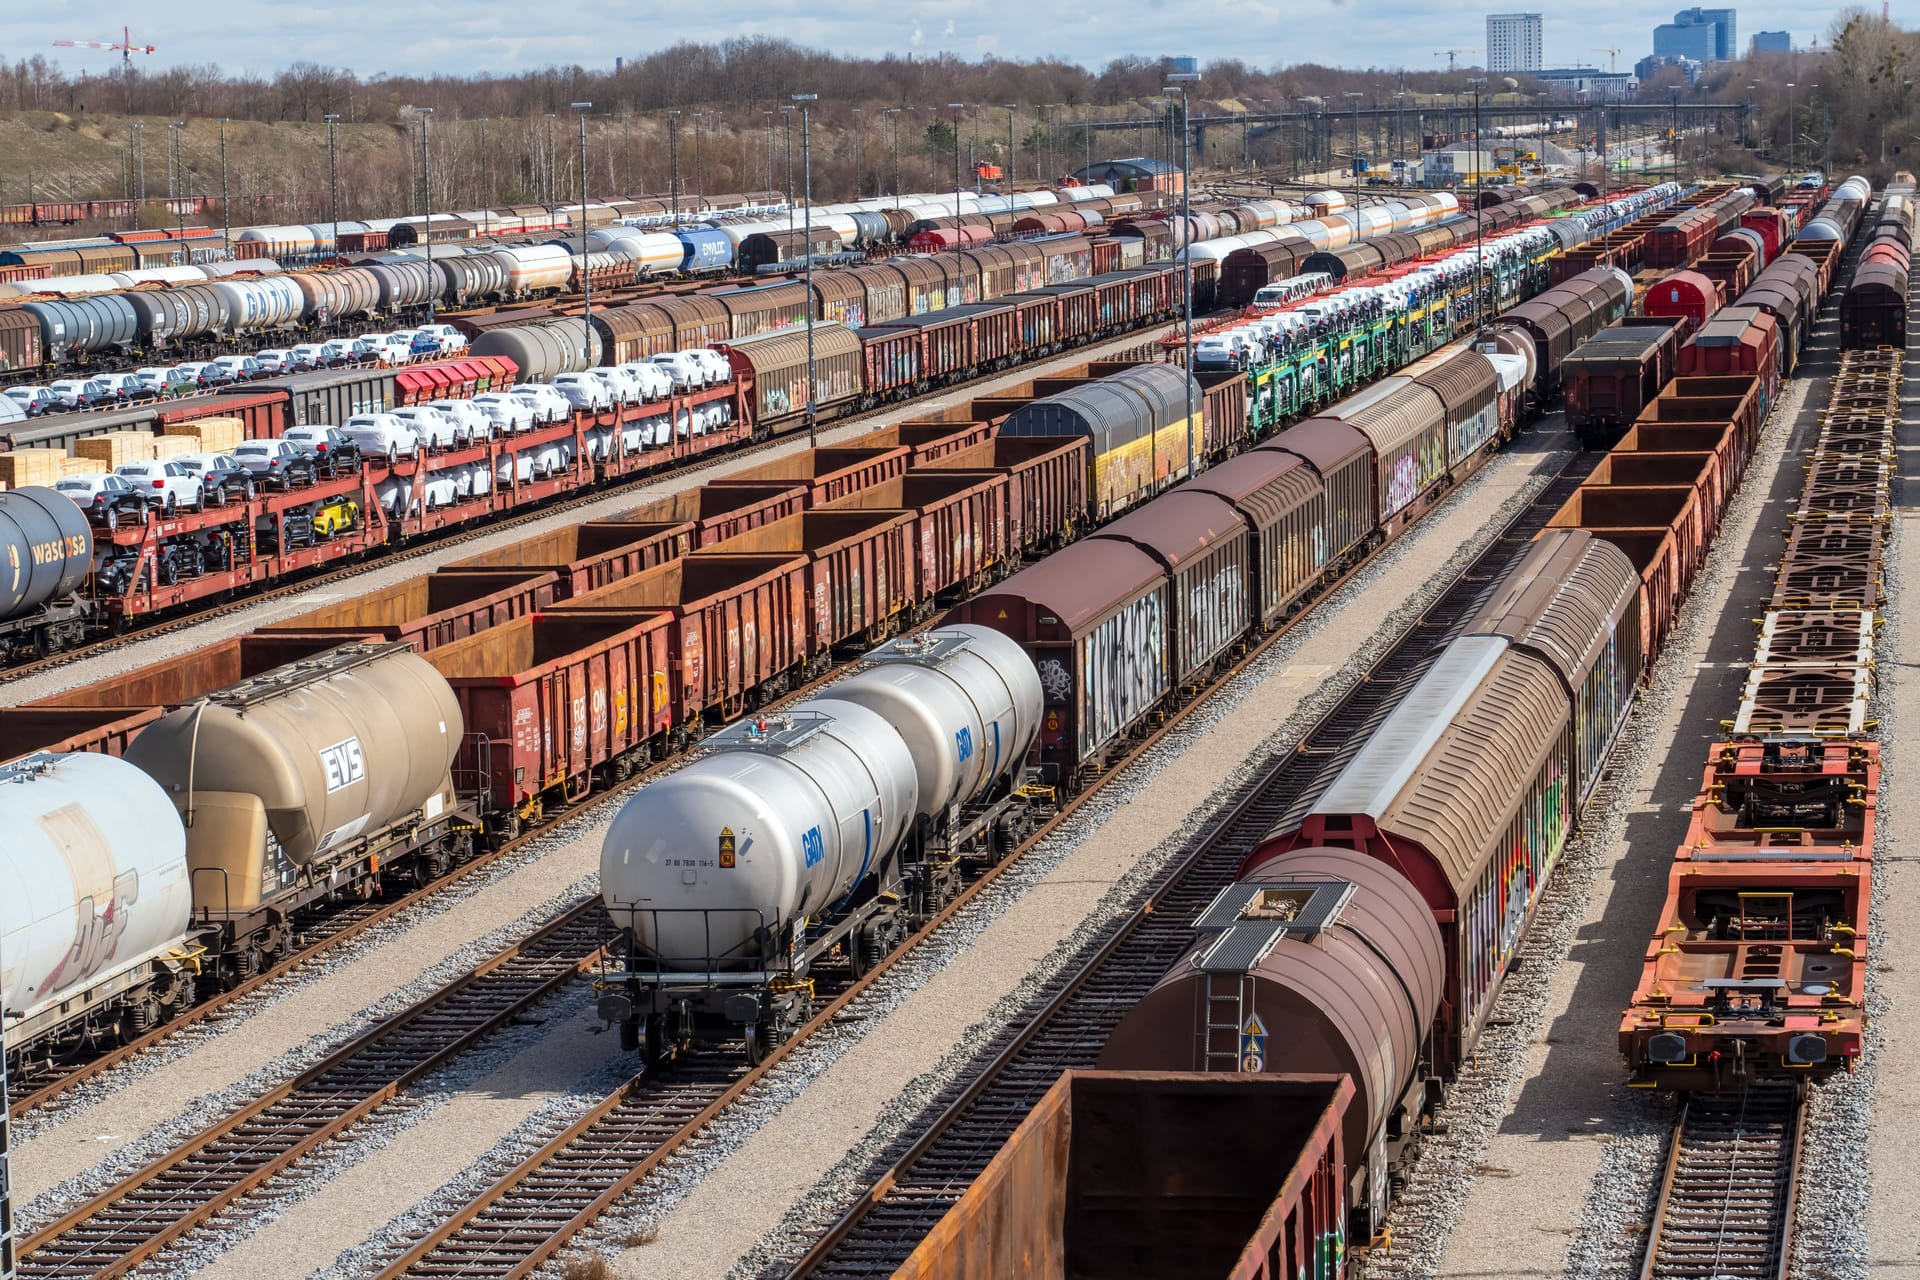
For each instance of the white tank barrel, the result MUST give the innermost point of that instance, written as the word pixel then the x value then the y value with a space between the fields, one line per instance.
pixel 965 699
pixel 779 821
pixel 93 878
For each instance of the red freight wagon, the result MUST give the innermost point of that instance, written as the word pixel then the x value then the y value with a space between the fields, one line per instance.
pixel 585 556
pixel 1614 375
pixel 1046 485
pixel 552 700
pixel 1284 504
pixel 1687 295
pixel 263 412
pixel 958 526
pixel 927 441
pixel 719 512
pixel 1160 1177
pixel 1716 479
pixel 739 623
pixel 1663 532
pixel 824 474
pixel 859 569
pixel 434 609
pixel 1731 401
pixel 1740 340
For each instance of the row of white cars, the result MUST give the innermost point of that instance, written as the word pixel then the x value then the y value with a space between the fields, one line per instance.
pixel 162 382
pixel 137 492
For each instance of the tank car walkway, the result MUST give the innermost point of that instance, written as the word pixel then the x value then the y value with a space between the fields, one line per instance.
pixel 1552 1138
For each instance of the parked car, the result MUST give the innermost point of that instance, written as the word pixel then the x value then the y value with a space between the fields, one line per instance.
pixel 548 404
pixel 508 413
pixel 81 393
pixel 277 464
pixel 433 429
pixel 126 387
pixel 274 360
pixel 584 391
pixel 174 488
pixel 335 516
pixel 204 373
pixel 655 382
pixel 468 418
pixel 381 435
pixel 242 368
pixel 333 450
pixel 620 383
pixel 308 355
pixel 222 478
pixel 719 370
pixel 34 400
pixel 688 374
pixel 108 500
pixel 380 348
pixel 449 338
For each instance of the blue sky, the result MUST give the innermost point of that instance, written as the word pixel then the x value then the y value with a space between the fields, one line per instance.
pixel 418 36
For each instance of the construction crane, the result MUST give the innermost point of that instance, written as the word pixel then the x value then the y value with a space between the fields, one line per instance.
pixel 1450 53
pixel 125 47
pixel 1613 57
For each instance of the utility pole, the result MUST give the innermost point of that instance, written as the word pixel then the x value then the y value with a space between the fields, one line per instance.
pixel 426 172
pixel 786 129
pixel 955 108
pixel 806 164
pixel 1183 79
pixel 173 179
pixel 226 219
pixel 1354 97
pixel 769 114
pixel 1479 223
pixel 333 175
pixel 586 271
pixel 1013 163
pixel 673 161
pixel 552 199
pixel 888 115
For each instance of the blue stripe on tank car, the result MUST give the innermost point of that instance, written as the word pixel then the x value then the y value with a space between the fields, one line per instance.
pixel 866 860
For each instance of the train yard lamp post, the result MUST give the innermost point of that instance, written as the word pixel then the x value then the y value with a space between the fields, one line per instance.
pixel 1354 96
pixel 956 108
pixel 673 164
pixel 586 263
pixel 1790 129
pixel 786 127
pixel 426 174
pixel 333 175
pixel 768 113
pixel 140 166
pixel 173 182
pixel 1013 162
pixel 226 220
pixel 1479 223
pixel 806 167
pixel 887 121
pixel 1180 80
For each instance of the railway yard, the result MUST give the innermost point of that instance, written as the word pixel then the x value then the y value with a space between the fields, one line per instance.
pixel 887 749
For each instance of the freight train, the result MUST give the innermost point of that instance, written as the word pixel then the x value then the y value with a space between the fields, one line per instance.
pixel 170 565
pixel 837 823
pixel 1873 310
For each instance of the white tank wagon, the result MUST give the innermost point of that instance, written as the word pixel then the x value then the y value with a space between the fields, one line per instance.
pixel 838 825
pixel 94 903
pixel 312 775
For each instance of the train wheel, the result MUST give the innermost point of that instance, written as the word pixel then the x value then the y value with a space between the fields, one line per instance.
pixel 756 1046
pixel 629 1034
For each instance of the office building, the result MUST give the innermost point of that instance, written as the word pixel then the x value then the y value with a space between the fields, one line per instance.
pixel 1690 68
pixel 1773 42
pixel 1513 42
pixel 1701 35
pixel 1597 85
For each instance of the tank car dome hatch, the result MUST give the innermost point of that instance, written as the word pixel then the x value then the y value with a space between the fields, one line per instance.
pixel 780 819
pixel 93 879
pixel 316 753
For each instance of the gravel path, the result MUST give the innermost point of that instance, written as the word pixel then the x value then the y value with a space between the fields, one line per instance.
pixel 391 572
pixel 1885 1101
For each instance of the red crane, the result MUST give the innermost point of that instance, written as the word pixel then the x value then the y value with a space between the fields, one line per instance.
pixel 125 47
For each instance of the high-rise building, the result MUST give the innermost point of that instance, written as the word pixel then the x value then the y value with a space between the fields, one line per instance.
pixel 1704 35
pixel 1513 41
pixel 1773 42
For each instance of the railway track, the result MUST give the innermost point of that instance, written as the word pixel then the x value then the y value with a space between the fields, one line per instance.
pixel 968 1123
pixel 453 536
pixel 1725 1207
pixel 525 1217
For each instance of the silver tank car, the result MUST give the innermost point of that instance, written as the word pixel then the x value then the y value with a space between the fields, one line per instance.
pixel 965 699
pixel 93 886
pixel 781 819
pixel 323 755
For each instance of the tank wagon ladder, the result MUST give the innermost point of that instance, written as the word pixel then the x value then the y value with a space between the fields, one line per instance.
pixel 1726 1201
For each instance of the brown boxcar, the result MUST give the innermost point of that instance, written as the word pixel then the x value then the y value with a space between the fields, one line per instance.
pixel 1284 504
pixel 823 474
pixel 860 576
pixel 20 347
pixel 1611 377
pixel 552 699
pixel 1343 457
pixel 1205 548
pixel 1157 1177
pixel 718 512
pixel 959 525
pixel 742 625
pixel 433 609
pixel 1094 619
pixel 1718 441
pixel 1406 424
pixel 585 556
pixel 1663 548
